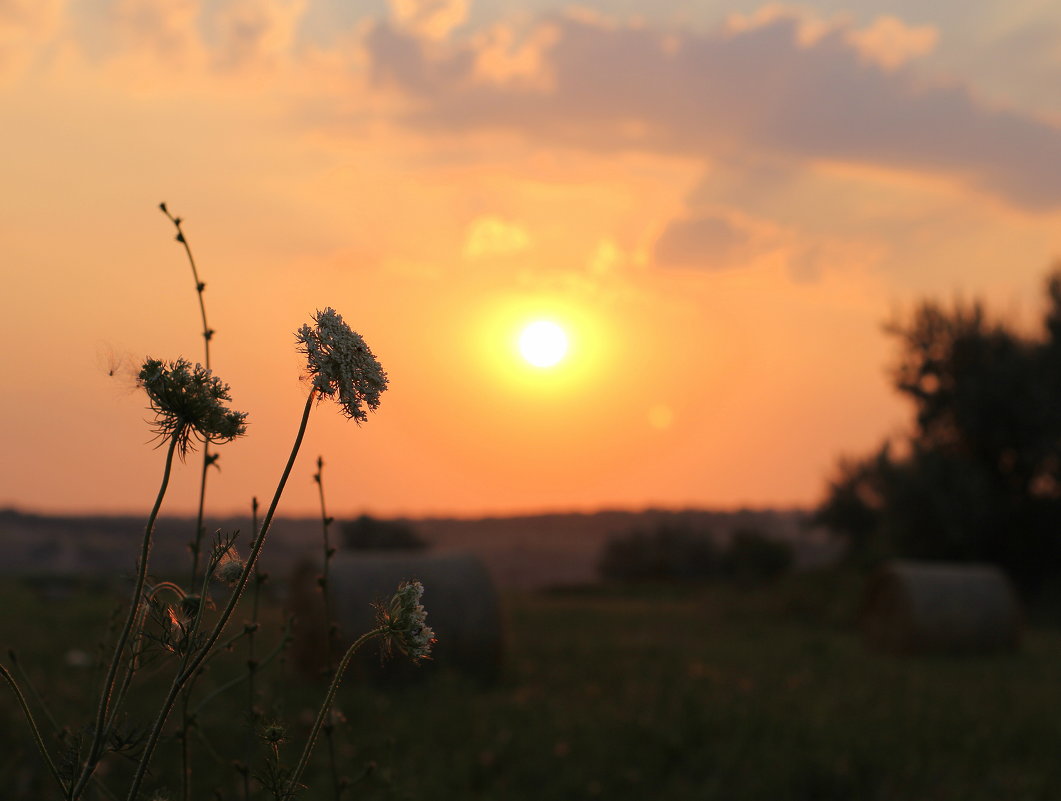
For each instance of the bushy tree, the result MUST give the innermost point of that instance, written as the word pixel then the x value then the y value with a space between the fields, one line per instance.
pixel 979 476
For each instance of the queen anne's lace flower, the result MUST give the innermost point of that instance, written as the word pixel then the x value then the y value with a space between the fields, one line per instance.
pixel 340 364
pixel 404 621
pixel 187 402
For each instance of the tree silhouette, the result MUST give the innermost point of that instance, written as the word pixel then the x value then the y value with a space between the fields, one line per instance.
pixel 979 476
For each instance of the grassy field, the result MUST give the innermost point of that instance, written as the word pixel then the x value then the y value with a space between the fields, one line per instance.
pixel 717 692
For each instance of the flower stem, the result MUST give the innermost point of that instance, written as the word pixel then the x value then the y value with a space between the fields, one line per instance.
pixel 96 748
pixel 13 656
pixel 329 552
pixel 329 625
pixel 208 332
pixel 285 640
pixel 252 663
pixel 325 709
pixel 197 543
pixel 188 670
pixel 6 675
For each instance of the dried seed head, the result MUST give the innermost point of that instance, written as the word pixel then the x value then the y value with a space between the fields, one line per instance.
pixel 230 568
pixel 341 365
pixel 187 402
pixel 405 622
pixel 273 733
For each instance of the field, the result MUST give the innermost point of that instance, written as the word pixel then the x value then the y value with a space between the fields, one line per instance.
pixel 632 693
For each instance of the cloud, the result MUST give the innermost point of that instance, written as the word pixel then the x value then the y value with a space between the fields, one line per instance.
pixel 24 26
pixel 706 242
pixel 256 32
pixel 494 236
pixel 432 19
pixel 164 28
pixel 890 43
pixel 773 86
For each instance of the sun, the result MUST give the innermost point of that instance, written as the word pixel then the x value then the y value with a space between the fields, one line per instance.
pixel 543 343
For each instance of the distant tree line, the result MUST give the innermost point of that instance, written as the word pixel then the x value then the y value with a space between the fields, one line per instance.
pixel 367 533
pixel 676 552
pixel 979 476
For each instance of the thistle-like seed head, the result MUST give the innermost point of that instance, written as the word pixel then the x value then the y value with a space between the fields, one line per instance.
pixel 405 622
pixel 340 364
pixel 187 402
pixel 230 568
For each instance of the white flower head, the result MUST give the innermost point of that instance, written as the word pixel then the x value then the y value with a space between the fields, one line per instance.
pixel 405 622
pixel 341 365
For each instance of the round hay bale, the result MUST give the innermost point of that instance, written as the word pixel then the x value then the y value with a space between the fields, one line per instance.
pixel 940 607
pixel 462 608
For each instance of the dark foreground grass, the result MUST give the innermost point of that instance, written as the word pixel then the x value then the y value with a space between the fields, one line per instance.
pixel 720 692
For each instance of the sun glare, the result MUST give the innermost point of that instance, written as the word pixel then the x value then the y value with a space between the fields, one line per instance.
pixel 543 343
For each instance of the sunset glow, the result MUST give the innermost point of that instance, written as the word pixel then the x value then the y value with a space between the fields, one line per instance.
pixel 717 206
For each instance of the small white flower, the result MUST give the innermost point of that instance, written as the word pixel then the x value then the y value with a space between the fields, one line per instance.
pixel 341 365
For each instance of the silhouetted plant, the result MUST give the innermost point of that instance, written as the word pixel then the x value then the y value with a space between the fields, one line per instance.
pixel 181 628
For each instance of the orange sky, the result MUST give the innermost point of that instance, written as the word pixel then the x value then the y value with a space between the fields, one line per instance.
pixel 722 206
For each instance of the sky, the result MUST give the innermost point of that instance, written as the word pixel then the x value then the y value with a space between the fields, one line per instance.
pixel 720 203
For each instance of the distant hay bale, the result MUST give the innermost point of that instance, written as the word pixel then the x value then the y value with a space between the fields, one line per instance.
pixel 940 607
pixel 462 608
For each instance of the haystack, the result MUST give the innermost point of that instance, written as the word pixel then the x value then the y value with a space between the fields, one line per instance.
pixel 462 608
pixel 940 607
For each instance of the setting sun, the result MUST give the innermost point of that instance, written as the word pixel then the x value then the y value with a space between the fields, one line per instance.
pixel 543 343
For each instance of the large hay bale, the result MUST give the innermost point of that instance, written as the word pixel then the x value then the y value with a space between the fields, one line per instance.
pixel 940 607
pixel 462 608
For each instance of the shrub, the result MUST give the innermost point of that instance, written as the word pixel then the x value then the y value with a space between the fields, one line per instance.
pixel 369 534
pixel 668 552
pixel 754 557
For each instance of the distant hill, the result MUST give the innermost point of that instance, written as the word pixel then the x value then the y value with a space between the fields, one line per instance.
pixel 520 552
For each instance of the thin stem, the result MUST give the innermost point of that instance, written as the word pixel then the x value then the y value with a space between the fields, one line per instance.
pixel 197 544
pixel 326 521
pixel 182 677
pixel 208 332
pixel 6 674
pixel 118 696
pixel 325 710
pixel 233 682
pixel 208 459
pixel 329 626
pixel 13 656
pixel 252 662
pixel 255 593
pixel 96 748
pixel 138 647
pixel 187 722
